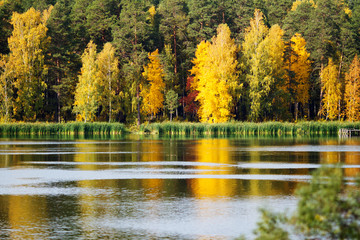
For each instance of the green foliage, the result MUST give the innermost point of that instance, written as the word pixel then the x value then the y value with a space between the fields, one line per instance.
pixel 268 227
pixel 171 102
pixel 328 208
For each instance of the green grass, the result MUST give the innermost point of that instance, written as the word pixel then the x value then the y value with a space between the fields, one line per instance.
pixel 71 128
pixel 248 128
pixel 311 128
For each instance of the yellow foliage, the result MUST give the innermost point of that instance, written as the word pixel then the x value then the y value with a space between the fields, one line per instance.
pixel 300 65
pixel 26 61
pixel 152 12
pixel 331 90
pixel 107 73
pixel 153 95
pixel 352 91
pixel 86 94
pixel 263 53
pixel 215 76
pixel 298 2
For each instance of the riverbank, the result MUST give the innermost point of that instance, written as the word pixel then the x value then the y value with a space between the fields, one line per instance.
pixel 71 128
pixel 310 128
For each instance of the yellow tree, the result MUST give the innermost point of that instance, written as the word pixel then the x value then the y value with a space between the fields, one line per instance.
pixel 153 95
pixel 5 90
pixel 86 94
pixel 352 91
pixel 107 73
pixel 298 67
pixel 216 76
pixel 26 61
pixel 263 51
pixel 331 91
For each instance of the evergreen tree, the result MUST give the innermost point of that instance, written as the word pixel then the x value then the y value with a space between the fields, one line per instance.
pixel 100 18
pixel 171 102
pixel 78 25
pixel 173 25
pixel 63 63
pixel 130 34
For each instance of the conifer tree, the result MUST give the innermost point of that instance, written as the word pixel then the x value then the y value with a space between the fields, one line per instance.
pixel 130 35
pixel 86 95
pixel 173 25
pixel 62 60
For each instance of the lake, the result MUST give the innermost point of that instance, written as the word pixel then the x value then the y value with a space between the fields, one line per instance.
pixel 155 188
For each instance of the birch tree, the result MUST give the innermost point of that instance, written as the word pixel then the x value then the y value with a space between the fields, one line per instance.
pixel 86 94
pixel 107 74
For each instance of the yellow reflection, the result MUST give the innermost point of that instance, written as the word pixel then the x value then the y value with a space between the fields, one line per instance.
pixel 90 200
pixel 330 157
pixel 152 152
pixel 213 151
pixel 352 158
pixel 27 217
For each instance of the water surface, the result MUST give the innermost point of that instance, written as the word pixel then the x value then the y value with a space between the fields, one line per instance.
pixel 134 188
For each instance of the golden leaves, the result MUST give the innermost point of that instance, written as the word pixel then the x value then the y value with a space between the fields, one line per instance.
pixel 153 96
pixel 352 91
pixel 331 90
pixel 215 76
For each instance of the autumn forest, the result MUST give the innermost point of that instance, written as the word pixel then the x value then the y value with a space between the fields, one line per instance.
pixel 213 61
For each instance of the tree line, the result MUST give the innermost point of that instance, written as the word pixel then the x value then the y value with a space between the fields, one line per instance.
pixel 212 61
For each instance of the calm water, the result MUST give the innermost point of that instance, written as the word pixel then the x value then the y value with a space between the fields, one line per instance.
pixel 155 189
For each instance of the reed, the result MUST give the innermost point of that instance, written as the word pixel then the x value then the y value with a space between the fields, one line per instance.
pixel 311 128
pixel 71 128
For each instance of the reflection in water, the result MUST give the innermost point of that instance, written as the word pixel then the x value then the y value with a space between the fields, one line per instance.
pixel 28 217
pixel 143 189
pixel 213 151
pixel 213 189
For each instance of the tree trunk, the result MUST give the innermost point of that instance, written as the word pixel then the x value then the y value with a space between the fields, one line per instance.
pixel 58 92
pixel 175 52
pixel 138 104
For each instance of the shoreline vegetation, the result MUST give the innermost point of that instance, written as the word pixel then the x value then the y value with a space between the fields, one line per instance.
pixel 305 128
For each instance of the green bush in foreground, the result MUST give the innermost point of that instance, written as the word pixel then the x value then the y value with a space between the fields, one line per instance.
pixel 328 208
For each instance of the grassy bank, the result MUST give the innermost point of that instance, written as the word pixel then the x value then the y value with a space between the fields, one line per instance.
pixel 180 128
pixel 72 128
pixel 248 128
